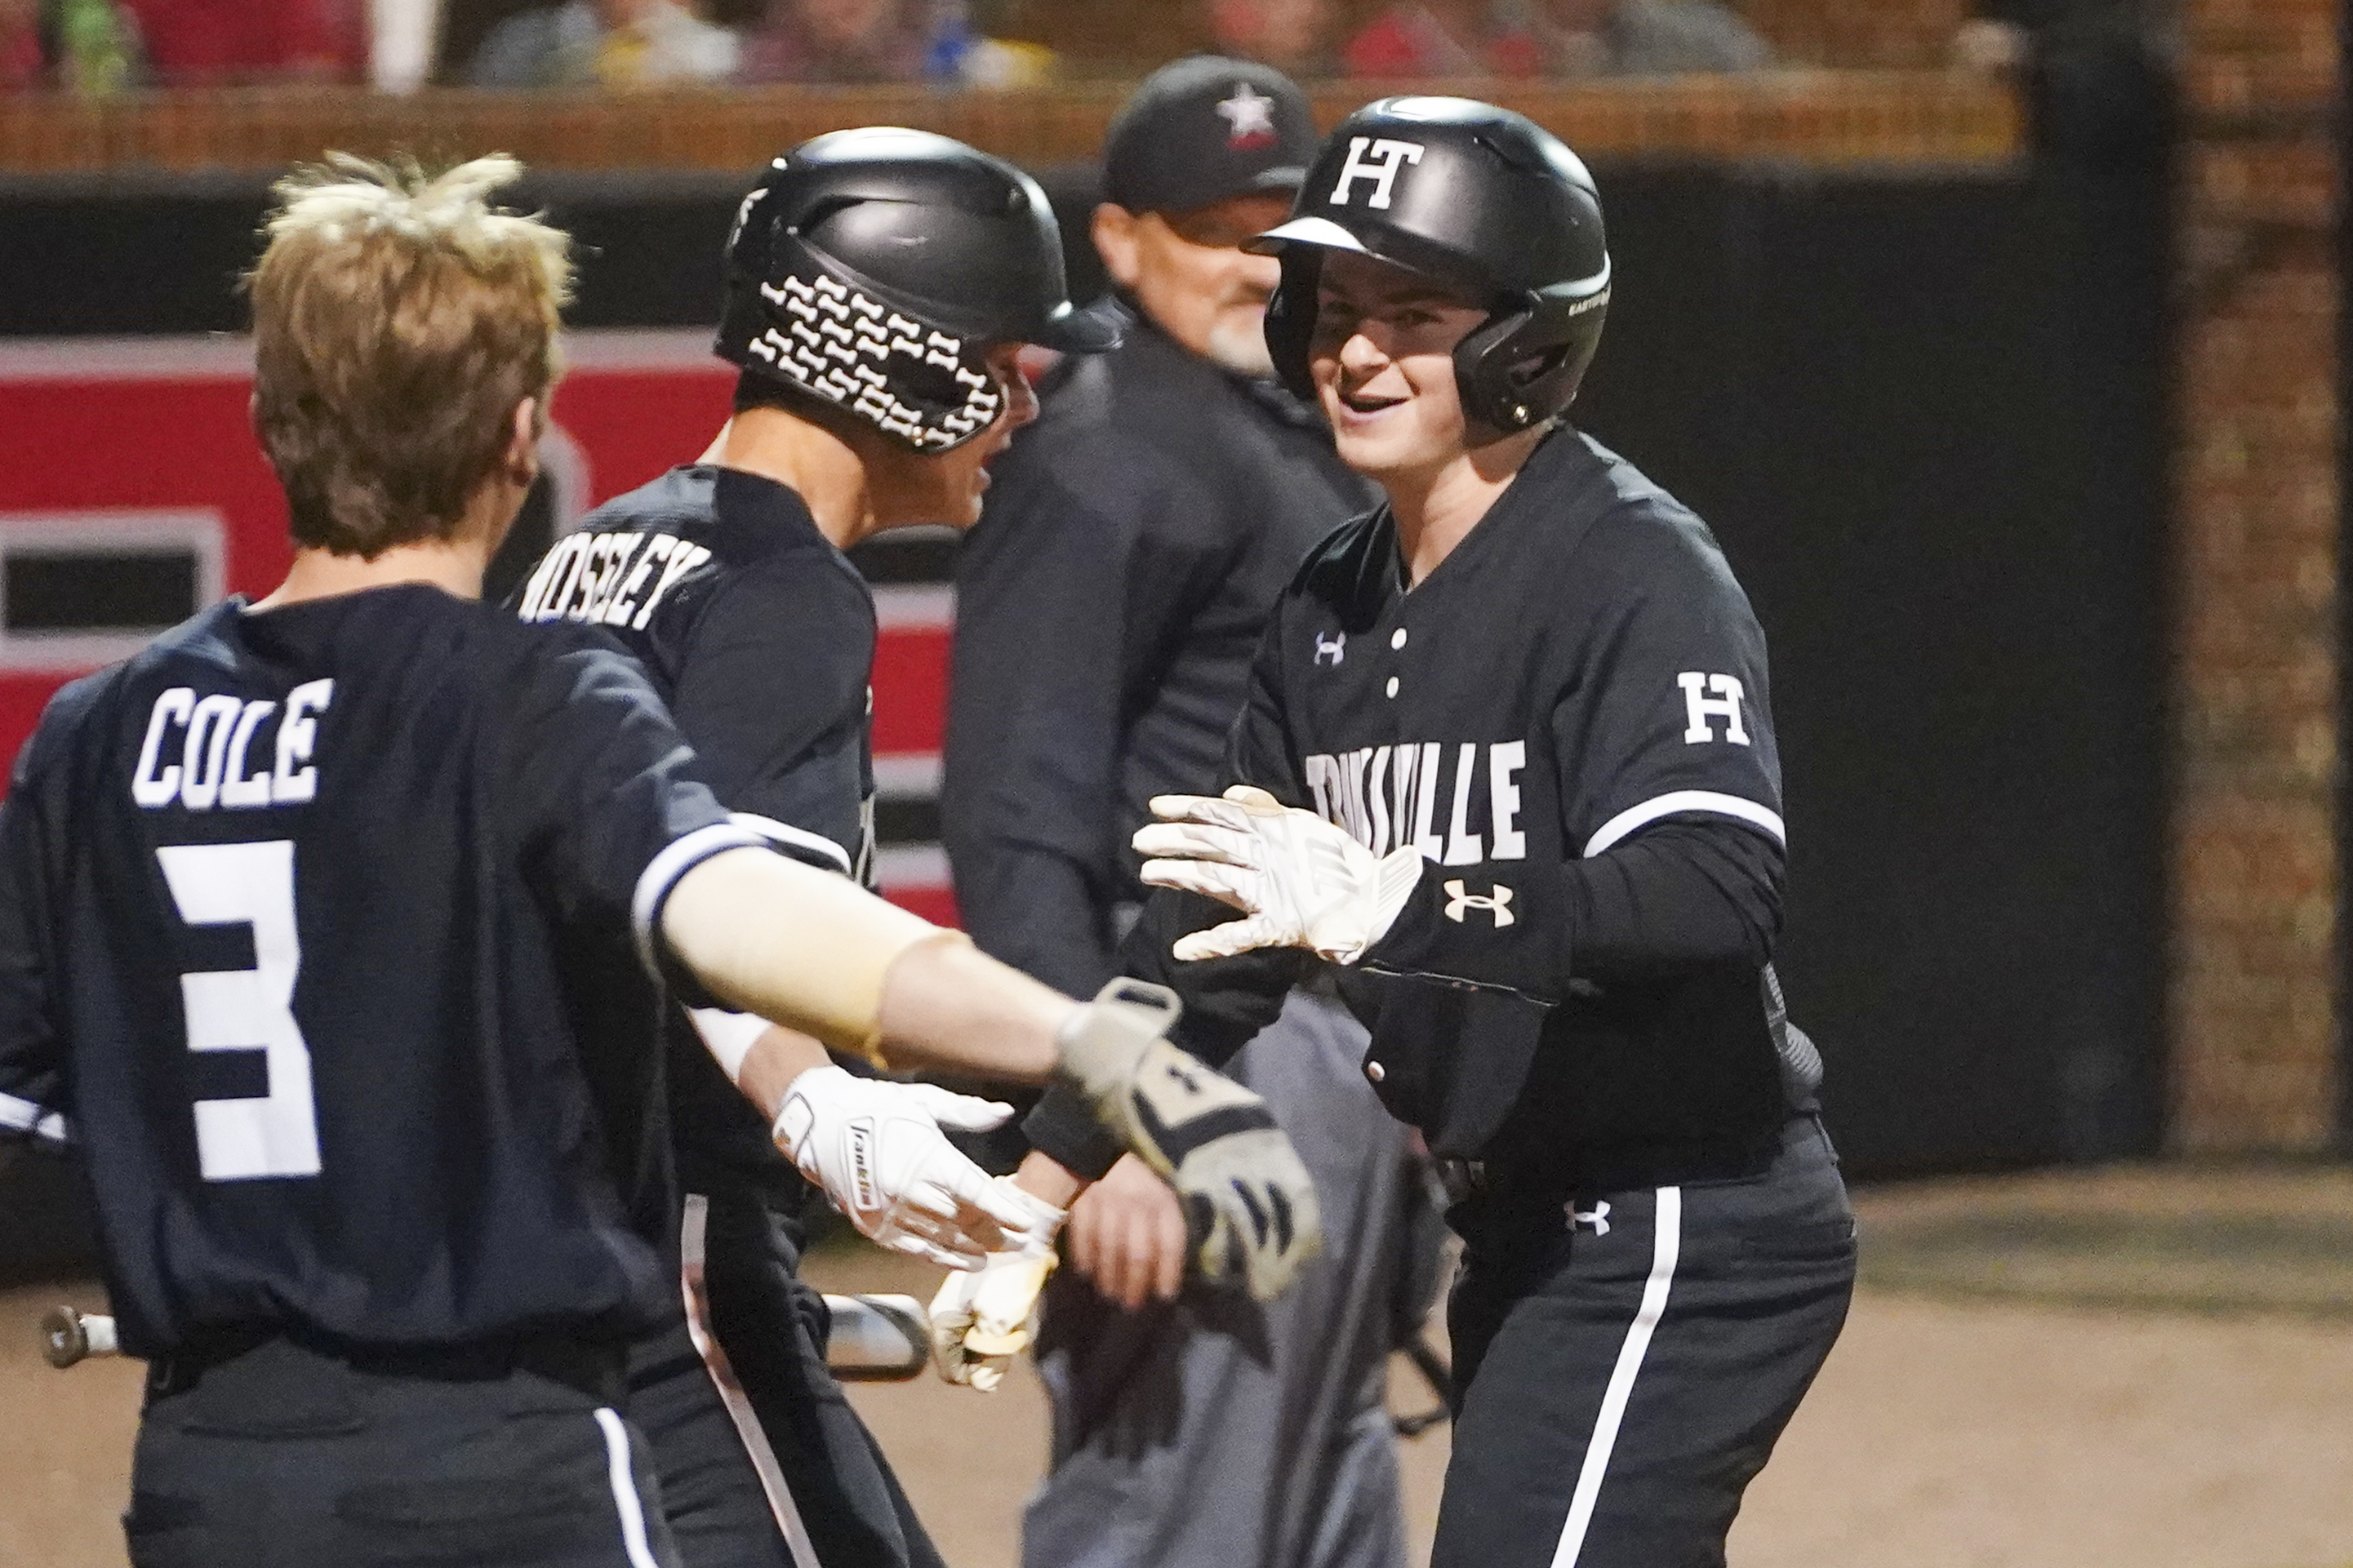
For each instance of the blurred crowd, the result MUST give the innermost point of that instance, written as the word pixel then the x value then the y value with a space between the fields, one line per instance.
pixel 100 45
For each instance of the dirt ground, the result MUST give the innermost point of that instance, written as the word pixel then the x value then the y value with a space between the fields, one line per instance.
pixel 1999 1399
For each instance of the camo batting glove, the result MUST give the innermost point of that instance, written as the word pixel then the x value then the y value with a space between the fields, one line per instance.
pixel 877 1148
pixel 1249 1207
pixel 1301 881
pixel 982 1319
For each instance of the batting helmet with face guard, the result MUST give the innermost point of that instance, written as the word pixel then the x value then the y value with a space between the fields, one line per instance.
pixel 875 269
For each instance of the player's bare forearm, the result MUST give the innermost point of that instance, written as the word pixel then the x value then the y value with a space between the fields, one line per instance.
pixel 805 949
pixel 947 1007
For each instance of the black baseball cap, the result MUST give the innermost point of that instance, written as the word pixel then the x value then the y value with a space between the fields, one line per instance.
pixel 1205 129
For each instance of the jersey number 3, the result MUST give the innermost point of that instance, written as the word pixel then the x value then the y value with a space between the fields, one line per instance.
pixel 247 1009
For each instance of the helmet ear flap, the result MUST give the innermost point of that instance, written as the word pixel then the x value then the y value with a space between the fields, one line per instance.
pixel 1523 365
pixel 1291 319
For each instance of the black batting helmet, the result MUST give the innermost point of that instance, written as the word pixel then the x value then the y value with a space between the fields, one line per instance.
pixel 874 269
pixel 1485 201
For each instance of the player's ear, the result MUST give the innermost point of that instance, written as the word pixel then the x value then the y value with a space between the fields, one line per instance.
pixel 1115 238
pixel 522 457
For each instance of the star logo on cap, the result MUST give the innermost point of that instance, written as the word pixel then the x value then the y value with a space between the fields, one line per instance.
pixel 1249 117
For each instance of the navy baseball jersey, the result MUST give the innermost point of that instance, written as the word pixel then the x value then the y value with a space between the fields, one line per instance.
pixel 1569 719
pixel 760 635
pixel 285 908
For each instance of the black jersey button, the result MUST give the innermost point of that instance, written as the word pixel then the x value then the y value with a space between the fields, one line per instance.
pixel 1392 685
pixel 1375 1071
pixel 1397 638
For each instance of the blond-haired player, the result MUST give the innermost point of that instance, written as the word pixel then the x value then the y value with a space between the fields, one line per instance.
pixel 305 911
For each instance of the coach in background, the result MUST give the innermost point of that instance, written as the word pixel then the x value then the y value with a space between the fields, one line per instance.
pixel 1108 605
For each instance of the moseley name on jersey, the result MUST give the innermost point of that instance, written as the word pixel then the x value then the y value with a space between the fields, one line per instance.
pixel 609 578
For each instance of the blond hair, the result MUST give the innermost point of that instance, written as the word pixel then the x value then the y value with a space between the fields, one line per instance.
pixel 398 319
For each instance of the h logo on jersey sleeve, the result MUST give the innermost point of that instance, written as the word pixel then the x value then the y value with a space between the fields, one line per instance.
pixel 1724 705
pixel 1377 161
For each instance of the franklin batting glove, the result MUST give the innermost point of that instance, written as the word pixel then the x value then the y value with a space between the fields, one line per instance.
pixel 1249 1207
pixel 982 1319
pixel 877 1150
pixel 1301 881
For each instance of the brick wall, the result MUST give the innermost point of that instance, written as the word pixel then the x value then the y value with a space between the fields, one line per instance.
pixel 2254 1001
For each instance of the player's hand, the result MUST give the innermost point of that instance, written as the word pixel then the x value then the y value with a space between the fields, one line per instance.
pixel 1127 1235
pixel 982 1319
pixel 1301 881
pixel 877 1150
pixel 1249 1207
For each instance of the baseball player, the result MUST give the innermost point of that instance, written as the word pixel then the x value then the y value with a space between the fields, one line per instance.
pixel 1107 607
pixel 1506 766
pixel 879 284
pixel 301 915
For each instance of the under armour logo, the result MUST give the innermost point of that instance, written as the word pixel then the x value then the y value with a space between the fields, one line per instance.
pixel 1724 704
pixel 1596 1219
pixel 1498 905
pixel 1336 647
pixel 1381 168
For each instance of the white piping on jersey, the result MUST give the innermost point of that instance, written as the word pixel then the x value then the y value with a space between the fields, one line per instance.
pixel 1666 1244
pixel 776 832
pixel 23 1116
pixel 661 874
pixel 1633 818
pixel 625 1491
pixel 748 1430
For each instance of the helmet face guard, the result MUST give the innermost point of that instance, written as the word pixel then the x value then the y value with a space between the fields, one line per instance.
pixel 1480 200
pixel 875 270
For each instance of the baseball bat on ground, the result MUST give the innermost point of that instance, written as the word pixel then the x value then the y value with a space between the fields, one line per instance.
pixel 876 1339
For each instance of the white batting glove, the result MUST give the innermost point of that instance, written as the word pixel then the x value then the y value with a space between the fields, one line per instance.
pixel 981 1320
pixel 877 1150
pixel 1301 881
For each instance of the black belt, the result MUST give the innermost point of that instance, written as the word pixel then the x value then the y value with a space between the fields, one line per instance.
pixel 1612 1171
pixel 591 1368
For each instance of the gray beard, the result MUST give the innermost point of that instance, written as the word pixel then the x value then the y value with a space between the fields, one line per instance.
pixel 1241 350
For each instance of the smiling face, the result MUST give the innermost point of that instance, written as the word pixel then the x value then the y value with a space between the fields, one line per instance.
pixel 1382 358
pixel 909 488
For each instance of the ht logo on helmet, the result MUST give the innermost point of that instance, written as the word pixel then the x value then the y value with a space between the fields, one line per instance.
pixel 1459 900
pixel 1387 157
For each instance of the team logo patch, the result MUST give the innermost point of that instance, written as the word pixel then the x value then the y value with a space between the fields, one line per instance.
pixel 1460 902
pixel 1249 118
pixel 1595 1220
pixel 1701 709
pixel 1335 647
